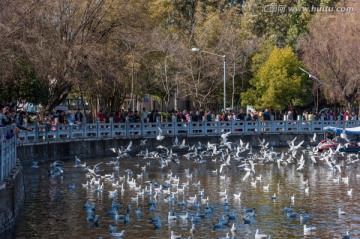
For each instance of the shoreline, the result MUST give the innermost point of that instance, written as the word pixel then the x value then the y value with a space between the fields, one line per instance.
pixel 92 148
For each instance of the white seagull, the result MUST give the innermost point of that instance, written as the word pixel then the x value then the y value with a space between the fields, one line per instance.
pixel 160 136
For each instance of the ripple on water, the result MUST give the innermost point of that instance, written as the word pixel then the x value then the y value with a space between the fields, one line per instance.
pixel 52 210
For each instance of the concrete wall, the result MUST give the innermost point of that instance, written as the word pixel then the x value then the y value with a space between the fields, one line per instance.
pixel 101 148
pixel 12 195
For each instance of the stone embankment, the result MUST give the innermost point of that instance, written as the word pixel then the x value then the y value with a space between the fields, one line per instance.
pixel 99 148
pixel 12 195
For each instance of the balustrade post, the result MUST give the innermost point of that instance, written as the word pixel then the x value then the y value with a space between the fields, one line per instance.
pixel 112 134
pixel 46 136
pixel 2 160
pixel 158 123
pixel 14 155
pixel 312 124
pixel 175 126
pixel 190 128
pixel 272 122
pixel 71 131
pixel 203 122
pixel 142 133
pixel 98 128
pixel 83 125
pixel 36 130
pixel 57 128
pixel 127 127
pixel 218 126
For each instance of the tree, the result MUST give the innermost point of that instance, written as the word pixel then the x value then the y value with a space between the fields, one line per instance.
pixel 239 44
pixel 287 21
pixel 278 83
pixel 77 29
pixel 165 47
pixel 332 52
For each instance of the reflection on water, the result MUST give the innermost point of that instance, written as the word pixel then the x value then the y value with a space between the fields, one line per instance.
pixel 52 210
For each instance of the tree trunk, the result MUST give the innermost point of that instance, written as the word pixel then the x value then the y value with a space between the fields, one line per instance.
pixel 60 96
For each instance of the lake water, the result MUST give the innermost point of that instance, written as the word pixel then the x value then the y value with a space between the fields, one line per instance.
pixel 53 210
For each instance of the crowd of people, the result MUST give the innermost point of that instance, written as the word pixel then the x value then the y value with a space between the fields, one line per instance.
pixel 22 119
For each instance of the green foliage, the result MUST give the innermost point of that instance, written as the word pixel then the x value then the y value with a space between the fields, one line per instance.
pixel 24 85
pixel 262 54
pixel 31 87
pixel 278 82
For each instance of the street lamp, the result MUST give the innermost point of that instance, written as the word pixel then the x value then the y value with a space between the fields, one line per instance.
pixel 317 90
pixel 195 49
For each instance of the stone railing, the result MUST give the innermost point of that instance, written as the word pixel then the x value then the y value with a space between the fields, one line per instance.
pixel 7 153
pixel 45 134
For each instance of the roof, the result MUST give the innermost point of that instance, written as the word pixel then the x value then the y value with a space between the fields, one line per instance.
pixel 349 131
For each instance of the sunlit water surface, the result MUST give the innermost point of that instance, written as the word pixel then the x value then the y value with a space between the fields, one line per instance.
pixel 52 210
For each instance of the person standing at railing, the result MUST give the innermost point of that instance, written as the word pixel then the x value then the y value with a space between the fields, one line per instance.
pixel 290 115
pixel 101 116
pixel 69 118
pixel 62 118
pixel 241 116
pixel 144 115
pixel 347 115
pixel 304 116
pixel 137 117
pixel 249 116
pixel 261 115
pixel 157 116
pixel 192 116
pixel 5 119
pixel 330 115
pixel 178 115
pixel 209 116
pixel 78 116
pixel 201 115
pixel 310 116
pixel 233 116
pixel 185 116
pixel 266 114
pixel 151 116
pixel 131 117
pixel 169 116
pixel 117 118
pixel 353 116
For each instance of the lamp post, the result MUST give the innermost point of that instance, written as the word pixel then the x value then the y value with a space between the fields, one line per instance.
pixel 224 60
pixel 176 91
pixel 317 88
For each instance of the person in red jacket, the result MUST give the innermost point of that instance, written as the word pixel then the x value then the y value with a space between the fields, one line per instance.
pixel 101 116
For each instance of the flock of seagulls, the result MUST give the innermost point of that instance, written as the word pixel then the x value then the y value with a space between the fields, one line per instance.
pixel 187 200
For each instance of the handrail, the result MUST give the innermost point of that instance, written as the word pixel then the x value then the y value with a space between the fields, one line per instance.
pixel 45 134
pixel 7 152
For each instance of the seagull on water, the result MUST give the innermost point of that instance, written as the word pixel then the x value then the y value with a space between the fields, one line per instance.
pixel 118 234
pixel 173 236
pixel 346 236
pixel 260 236
pixel 233 228
pixel 192 230
pixel 341 212
pixel 35 164
pixel 308 230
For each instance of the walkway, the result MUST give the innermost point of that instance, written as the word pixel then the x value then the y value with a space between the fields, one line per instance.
pixel 42 134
